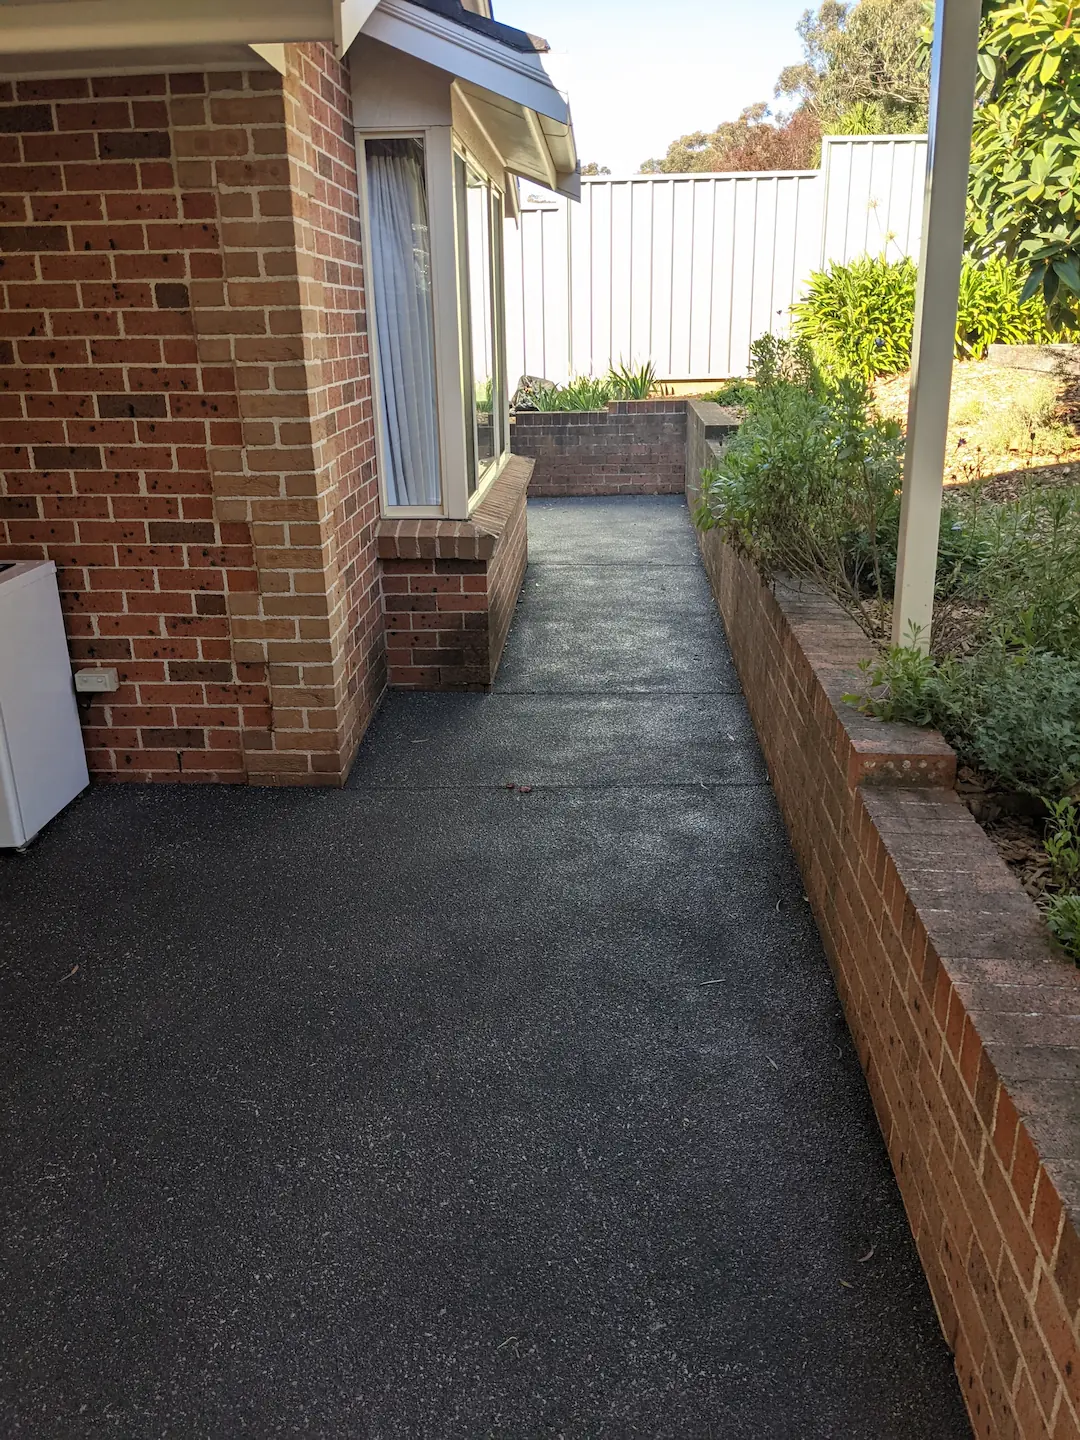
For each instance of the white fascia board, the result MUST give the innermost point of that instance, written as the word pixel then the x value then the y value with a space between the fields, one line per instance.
pixel 469 55
pixel 349 19
pixel 531 146
pixel 72 25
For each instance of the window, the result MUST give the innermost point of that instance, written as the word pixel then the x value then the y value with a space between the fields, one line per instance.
pixel 479 244
pixel 433 238
pixel 400 248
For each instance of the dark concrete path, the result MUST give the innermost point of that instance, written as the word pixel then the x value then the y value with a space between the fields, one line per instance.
pixel 432 1109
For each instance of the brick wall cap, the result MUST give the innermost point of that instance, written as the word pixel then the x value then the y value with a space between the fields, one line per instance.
pixel 717 420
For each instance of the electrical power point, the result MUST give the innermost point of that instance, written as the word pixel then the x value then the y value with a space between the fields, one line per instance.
pixel 97 681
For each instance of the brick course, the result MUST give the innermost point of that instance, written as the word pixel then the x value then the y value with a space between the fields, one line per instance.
pixel 966 1019
pixel 185 410
pixel 450 587
pixel 634 447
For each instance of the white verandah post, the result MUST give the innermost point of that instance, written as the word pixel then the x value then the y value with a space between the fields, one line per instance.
pixel 952 108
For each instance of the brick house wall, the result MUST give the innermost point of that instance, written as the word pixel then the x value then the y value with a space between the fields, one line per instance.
pixel 185 410
pixel 634 447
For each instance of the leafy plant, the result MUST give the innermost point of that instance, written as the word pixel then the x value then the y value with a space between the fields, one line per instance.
pixel 859 318
pixel 628 384
pixel 583 392
pixel 734 392
pixel 1013 715
pixel 992 308
pixel 589 392
pixel 808 484
pixel 1024 190
pixel 897 686
pixel 774 360
pixel 1063 918
pixel 1029 581
pixel 1062 843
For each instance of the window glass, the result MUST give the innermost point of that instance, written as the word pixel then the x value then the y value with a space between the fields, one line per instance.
pixel 500 394
pixel 400 244
pixel 481 313
pixel 461 212
pixel 480 279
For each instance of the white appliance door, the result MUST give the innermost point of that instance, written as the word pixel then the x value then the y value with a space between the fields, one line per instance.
pixel 40 718
pixel 12 831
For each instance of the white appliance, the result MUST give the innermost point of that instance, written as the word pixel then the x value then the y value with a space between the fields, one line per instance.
pixel 42 760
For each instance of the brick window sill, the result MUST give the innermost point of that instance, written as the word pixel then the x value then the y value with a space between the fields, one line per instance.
pixel 474 539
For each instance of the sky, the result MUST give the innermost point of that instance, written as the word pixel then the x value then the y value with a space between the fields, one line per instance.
pixel 640 73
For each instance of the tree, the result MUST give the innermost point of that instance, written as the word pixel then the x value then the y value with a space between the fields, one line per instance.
pixel 592 168
pixel 1024 192
pixel 755 141
pixel 866 71
pixel 866 68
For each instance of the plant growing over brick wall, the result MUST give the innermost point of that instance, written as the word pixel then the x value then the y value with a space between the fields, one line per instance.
pixel 588 392
pixel 810 485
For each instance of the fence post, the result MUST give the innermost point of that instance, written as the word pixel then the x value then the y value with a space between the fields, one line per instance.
pixel 948 160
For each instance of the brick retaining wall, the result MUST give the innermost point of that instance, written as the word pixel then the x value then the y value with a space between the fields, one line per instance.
pixel 634 447
pixel 966 1018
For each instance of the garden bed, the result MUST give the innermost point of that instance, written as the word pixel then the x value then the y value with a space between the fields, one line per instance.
pixel 1008 428
pixel 966 1017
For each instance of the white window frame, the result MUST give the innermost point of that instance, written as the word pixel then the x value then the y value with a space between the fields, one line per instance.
pixel 440 144
pixel 498 328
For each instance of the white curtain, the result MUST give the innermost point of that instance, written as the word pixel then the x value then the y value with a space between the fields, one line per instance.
pixel 404 320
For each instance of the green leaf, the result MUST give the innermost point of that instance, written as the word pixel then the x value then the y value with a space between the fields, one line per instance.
pixel 1049 68
pixel 1034 280
pixel 1069 272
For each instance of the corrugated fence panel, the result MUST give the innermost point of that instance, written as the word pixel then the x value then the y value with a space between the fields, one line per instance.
pixel 688 270
pixel 874 195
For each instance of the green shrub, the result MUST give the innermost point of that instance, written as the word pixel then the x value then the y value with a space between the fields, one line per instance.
pixel 897 686
pixel 1062 842
pixel 859 318
pixel 810 485
pixel 733 392
pixel 1012 715
pixel 1063 917
pixel 589 392
pixel 583 392
pixel 1029 575
pixel 627 384
pixel 1015 716
pixel 991 312
pixel 807 485
pixel 774 359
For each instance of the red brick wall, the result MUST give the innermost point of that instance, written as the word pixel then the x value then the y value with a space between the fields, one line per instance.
pixel 110 413
pixel 634 447
pixel 967 1022
pixel 450 588
pixel 306 479
pixel 185 413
